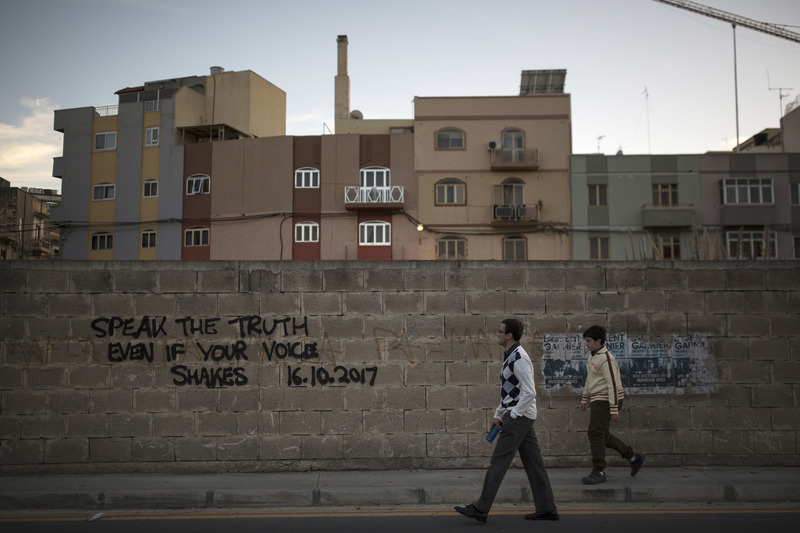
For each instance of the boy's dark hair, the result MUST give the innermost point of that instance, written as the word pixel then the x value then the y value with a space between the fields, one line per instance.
pixel 514 327
pixel 597 333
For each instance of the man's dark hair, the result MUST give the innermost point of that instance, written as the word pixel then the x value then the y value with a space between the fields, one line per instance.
pixel 597 333
pixel 514 327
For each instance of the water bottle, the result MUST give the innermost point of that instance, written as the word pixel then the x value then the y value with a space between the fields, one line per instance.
pixel 493 434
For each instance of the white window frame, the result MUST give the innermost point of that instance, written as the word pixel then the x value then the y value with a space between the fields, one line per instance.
pixel 102 241
pixel 306 178
pixel 452 248
pixel 149 238
pixel 375 233
pixel 108 139
pixel 151 136
pixel 451 188
pixel 306 232
pixel 150 189
pixel 196 236
pixel 380 177
pixel 104 191
pixel 740 191
pixel 751 240
pixel 198 184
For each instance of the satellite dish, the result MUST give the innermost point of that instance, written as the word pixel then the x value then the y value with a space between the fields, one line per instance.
pixel 356 114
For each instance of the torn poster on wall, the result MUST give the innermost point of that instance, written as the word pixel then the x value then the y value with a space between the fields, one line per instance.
pixel 678 365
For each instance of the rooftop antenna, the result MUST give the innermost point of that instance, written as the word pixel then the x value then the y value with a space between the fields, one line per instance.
pixel 599 137
pixel 647 111
pixel 781 96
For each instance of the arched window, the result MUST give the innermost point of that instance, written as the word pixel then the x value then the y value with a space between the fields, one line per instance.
pixel 514 248
pixel 306 178
pixel 513 145
pixel 306 232
pixel 198 184
pixel 452 247
pixel 450 192
pixel 375 233
pixel 197 236
pixel 376 184
pixel 450 139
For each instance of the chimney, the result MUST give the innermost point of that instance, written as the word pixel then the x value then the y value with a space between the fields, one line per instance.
pixel 342 82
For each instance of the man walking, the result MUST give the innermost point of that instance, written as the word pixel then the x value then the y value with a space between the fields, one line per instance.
pixel 603 393
pixel 515 417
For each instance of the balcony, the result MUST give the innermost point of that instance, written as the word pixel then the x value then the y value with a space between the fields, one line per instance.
pixel 515 159
pixel 41 247
pixel 514 214
pixel 667 217
pixel 362 198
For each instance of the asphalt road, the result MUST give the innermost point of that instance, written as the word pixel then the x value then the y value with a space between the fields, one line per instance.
pixel 594 519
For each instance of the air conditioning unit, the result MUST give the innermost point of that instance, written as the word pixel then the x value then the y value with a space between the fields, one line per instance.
pixel 494 145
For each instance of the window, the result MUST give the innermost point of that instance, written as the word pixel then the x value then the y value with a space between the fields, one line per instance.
pixel 667 247
pixel 105 140
pixel 452 247
pixel 152 105
pixel 750 244
pixel 150 189
pixel 449 139
pixel 598 248
pixel 665 194
pixel 196 237
pixel 747 191
pixel 797 247
pixel 375 177
pixel 306 178
pixel 306 232
pixel 102 241
pixel 151 136
pixel 598 195
pixel 103 191
pixel 795 194
pixel 514 249
pixel 198 184
pixel 375 234
pixel 513 145
pixel 450 192
pixel 512 192
pixel 148 239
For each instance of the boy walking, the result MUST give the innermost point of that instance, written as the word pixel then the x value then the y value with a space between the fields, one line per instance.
pixel 604 394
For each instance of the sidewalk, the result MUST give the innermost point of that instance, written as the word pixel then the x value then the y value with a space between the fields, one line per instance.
pixel 382 488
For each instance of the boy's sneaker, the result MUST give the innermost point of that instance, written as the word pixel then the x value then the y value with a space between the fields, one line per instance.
pixel 636 464
pixel 594 478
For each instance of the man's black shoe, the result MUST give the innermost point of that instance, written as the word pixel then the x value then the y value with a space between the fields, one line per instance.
pixel 549 515
pixel 636 464
pixel 471 512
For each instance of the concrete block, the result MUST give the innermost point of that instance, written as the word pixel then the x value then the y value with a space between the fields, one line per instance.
pixel 343 327
pixel 784 418
pixel 383 279
pixel 218 281
pixel 691 441
pixel 238 399
pixel 566 302
pixel 659 418
pixel 732 442
pixel 60 305
pixel 403 303
pixel 725 302
pixel 364 398
pixel 362 303
pixel 449 397
pixel 772 395
pixel 173 425
pixel 769 349
pixel 11 378
pixel 22 452
pixel 667 324
pixel 269 281
pixel 425 374
pixel 322 303
pixel 238 304
pixel 154 400
pixel 358 351
pixel 48 281
pixel 280 448
pixel 783 279
pixel 325 447
pixel 750 418
pixel 747 326
pixel 153 450
pixel 45 378
pixel 215 425
pixel 466 421
pixel 49 426
pixel 131 376
pixel 280 399
pixel 383 421
pixel 715 325
pixel 775 442
pixel 350 280
pixel 785 372
pixel 408 397
pixel 605 301
pixel 196 305
pixel 44 330
pixel 341 422
pixel 301 423
pixel 448 445
pixel 424 326
pixel 482 303
pixel 13 330
pixel 443 303
pixel 68 401
pixel 483 396
pixel 787 325
pixel 195 449
pixel 424 421
pixel 176 281
pixel 66 451
pixel 505 279
pixel 428 279
pixel 684 302
pixel 626 279
pixel 12 280
pixel 705 280
pixel 88 425
pixel 107 401
pixel 658 279
pixel 112 304
pixel 363 446
pixel 472 373
pixel 134 281
pixel 130 425
pixel 546 279
pixel 107 450
pixel 745 279
pixel 404 445
pixel 717 417
pixel 647 301
pixel 301 280
pixel 239 448
pixel 323 398
pixel 247 423
pixel 525 303
pixel 25 304
pixel 464 326
pixel 465 279
pixel 586 279
pixel 747 371
pixel 23 402
pixel 282 304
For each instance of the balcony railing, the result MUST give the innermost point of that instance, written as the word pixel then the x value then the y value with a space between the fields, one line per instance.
pixel 515 213
pixel 107 111
pixel 516 159
pixel 667 217
pixel 377 196
pixel 41 246
pixel 152 105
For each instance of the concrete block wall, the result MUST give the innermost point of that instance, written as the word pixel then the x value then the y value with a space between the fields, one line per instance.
pixel 280 366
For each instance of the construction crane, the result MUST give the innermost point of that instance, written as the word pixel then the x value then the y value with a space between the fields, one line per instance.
pixel 765 27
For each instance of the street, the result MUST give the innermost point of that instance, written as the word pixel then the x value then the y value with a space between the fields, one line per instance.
pixel 597 519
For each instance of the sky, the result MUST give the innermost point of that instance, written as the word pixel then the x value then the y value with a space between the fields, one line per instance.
pixel 644 77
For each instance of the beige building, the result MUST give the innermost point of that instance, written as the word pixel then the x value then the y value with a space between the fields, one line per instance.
pixel 493 173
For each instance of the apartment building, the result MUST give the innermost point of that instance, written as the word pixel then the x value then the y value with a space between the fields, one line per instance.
pixel 122 167
pixel 25 229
